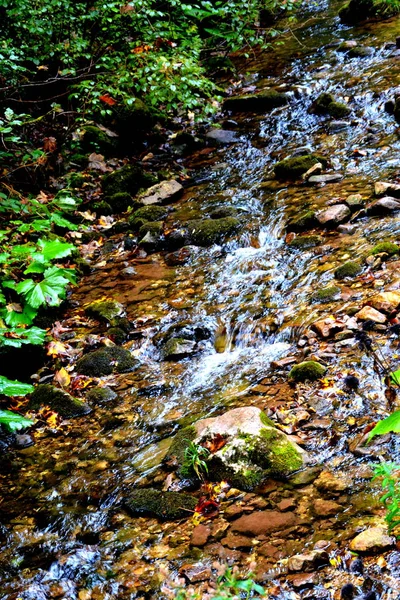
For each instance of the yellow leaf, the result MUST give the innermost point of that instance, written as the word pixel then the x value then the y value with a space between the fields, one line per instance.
pixel 56 349
pixel 62 377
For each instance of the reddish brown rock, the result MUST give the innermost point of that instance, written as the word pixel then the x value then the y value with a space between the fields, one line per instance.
pixel 286 504
pixel 236 541
pixel 386 302
pixel 328 327
pixel 195 573
pixel 326 508
pixel 373 539
pixel 200 535
pixel 370 314
pixel 264 522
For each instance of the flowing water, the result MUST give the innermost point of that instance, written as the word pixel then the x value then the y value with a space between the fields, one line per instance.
pixel 63 532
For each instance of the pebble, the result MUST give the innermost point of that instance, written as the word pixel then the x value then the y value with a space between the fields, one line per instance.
pixel 328 178
pixel 383 206
pixel 263 522
pixel 195 573
pixel 326 508
pixel 334 215
pixel 373 539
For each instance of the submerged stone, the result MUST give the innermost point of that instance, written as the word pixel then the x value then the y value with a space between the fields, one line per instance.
pixel 306 220
pixel 326 178
pixel 176 348
pixel 383 188
pixel 98 395
pixel 373 539
pixel 58 400
pixel 163 505
pixel 309 370
pixel 105 361
pixel 294 167
pixel 264 101
pixel 206 232
pixel 327 294
pixel 349 269
pixel 383 206
pixel 104 310
pixel 303 242
pixel 326 104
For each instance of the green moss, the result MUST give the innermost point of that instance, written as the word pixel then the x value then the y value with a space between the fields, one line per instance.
pixel 133 119
pixel 222 212
pixel 105 361
pixel 305 241
pixel 385 247
pixel 308 370
pixel 349 269
pixel 264 101
pixel 266 420
pixel 119 202
pixel 96 140
pixel 129 179
pixel 145 214
pixel 104 310
pixel 116 334
pixel 155 228
pixel 102 208
pixel 206 232
pixel 306 220
pixel 163 505
pixel 76 180
pixel 326 104
pixel 280 455
pixel 98 395
pixel 83 267
pixel 295 167
pixel 58 400
pixel 327 294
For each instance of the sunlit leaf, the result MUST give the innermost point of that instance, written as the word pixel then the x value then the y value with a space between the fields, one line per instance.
pixel 13 421
pixel 14 388
pixel 388 425
pixel 62 377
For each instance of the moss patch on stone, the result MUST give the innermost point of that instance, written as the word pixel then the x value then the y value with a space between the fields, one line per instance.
pixel 295 167
pixel 146 214
pixel 155 228
pixel 206 232
pixel 357 11
pixel 98 395
pixel 104 310
pixel 129 179
pixel 264 101
pixel 309 370
pixel 102 208
pixel 326 104
pixel 303 242
pixel 348 269
pixel 385 247
pixel 327 294
pixel 163 505
pixel 176 453
pixel 58 400
pixel 105 361
pixel 119 202
pixel 95 139
pixel 306 220
pixel 266 420
pixel 117 335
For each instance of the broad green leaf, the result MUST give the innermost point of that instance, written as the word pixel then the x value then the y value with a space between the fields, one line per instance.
pixel 35 267
pixel 59 220
pixel 22 250
pixel 51 249
pixel 2 298
pixel 66 202
pixel 9 283
pixel 13 422
pixel 14 388
pixel 14 318
pixel 395 377
pixel 388 425
pixel 17 336
pixel 49 291
pixel 69 274
pixel 4 256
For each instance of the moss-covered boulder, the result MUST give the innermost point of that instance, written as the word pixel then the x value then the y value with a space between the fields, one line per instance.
pixel 206 232
pixel 102 208
pixel 348 269
pixel 264 101
pixel 357 11
pixel 326 104
pixel 178 347
pixel 132 120
pixel 163 505
pixel 155 228
pixel 105 361
pixel 58 400
pixel 327 294
pixel 104 310
pixel 385 247
pixel 116 335
pixel 309 370
pixel 98 395
pixel 144 214
pixel 294 167
pixel 129 179
pixel 247 448
pixel 306 220
pixel 303 242
pixel 95 139
pixel 119 202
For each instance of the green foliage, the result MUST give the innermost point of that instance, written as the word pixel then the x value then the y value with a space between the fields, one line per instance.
pixel 195 459
pixel 388 425
pixel 391 499
pixel 230 585
pixel 13 422
pixel 14 388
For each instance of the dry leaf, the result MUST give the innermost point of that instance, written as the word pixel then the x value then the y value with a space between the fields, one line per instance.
pixel 96 162
pixel 62 377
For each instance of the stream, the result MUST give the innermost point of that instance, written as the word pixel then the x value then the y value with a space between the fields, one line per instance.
pixel 64 532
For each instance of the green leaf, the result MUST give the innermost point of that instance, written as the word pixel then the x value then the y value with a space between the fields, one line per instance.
pixel 13 318
pixel 59 220
pixel 35 267
pixel 48 291
pixel 17 336
pixel 22 250
pixel 13 422
pixel 388 425
pixel 395 377
pixel 54 249
pixel 14 388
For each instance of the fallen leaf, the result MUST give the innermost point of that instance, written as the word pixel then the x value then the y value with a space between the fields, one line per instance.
pixel 62 377
pixel 106 98
pixel 55 348
pixel 49 144
pixel 96 162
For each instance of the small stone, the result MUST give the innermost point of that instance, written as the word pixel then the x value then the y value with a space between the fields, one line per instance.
pixel 237 541
pixel 222 136
pixel 347 45
pixel 328 482
pixel 328 327
pixel 128 272
pixel 286 504
pixel 309 561
pixel 386 302
pixel 370 314
pixel 383 187
pixel 233 512
pixel 304 580
pixel 176 348
pixel 317 168
pixel 384 206
pixel 335 126
pixel 326 508
pixel 195 573
pixel 161 193
pixel 347 229
pixel 355 201
pixel 327 178
pixel 334 215
pixel 200 535
pixel 373 539
pixel 263 522
pixel 283 362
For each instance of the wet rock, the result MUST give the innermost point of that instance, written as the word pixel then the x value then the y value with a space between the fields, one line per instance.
pixel 327 294
pixel 355 201
pixel 130 179
pixel 326 178
pixel 326 104
pixel 176 348
pixel 334 215
pixel 347 45
pixel 308 562
pixel 145 214
pixel 326 508
pixel 206 232
pixel 105 361
pixel 264 101
pixel 306 220
pixel 127 273
pixel 286 504
pixel 23 440
pixel 303 242
pixel 360 52
pixel 263 522
pixel 154 228
pixel 200 535
pixel 315 170
pixel 305 477
pixel 195 573
pixel 295 167
pixel 58 400
pixel 161 193
pixel 328 327
pixel 384 206
pixel 347 229
pixel 163 505
pixel 357 566
pixel 222 136
pixel 373 539
pixel 386 302
pixel 383 188
pixel 116 335
pixel 251 448
pixel 385 248
pixel 104 310
pixel 349 269
pixel 180 257
pixel 307 371
pixel 370 314
pixel 95 139
pixel 328 482
pixel 98 395
pixel 153 239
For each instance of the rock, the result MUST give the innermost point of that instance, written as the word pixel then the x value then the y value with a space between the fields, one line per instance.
pixel 163 505
pixel 370 314
pixel 58 400
pixel 252 448
pixel 95 139
pixel 355 201
pixel 262 102
pixel 357 11
pixel 326 104
pixel 236 541
pixel 305 477
pixel 112 359
pixel 180 257
pixel 130 179
pixel 145 214
pixel 315 170
pixel 349 269
pixel 127 273
pixel 326 508
pixel 308 562
pixel 327 178
pixel 23 440
pixel 176 348
pixel 295 167
pixel 305 220
pixel 347 45
pixel 386 302
pixel 386 248
pixel 347 229
pixel 161 193
pixel 98 395
pixel 104 310
pixel 383 188
pixel 286 504
pixel 222 136
pixel 328 482
pixel 308 370
pixel 328 327
pixel 206 232
pixel 334 215
pixel 328 294
pixel 335 126
pixel 195 573
pixel 102 208
pixel 200 535
pixel 304 242
pixel 151 237
pixel 263 522
pixel 373 539
pixel 360 52
pixel 384 206
pixel 116 335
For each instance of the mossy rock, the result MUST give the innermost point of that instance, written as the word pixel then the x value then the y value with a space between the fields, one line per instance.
pixel 303 242
pixel 58 400
pixel 357 11
pixel 133 119
pixel 147 214
pixel 326 104
pixel 206 232
pixel 177 347
pixel 349 269
pixel 385 247
pixel 106 361
pixel 163 505
pixel 264 101
pixel 117 335
pixel 102 208
pixel 154 228
pixel 309 370
pixel 294 167
pixel 119 202
pixel 76 180
pixel 104 310
pixel 95 139
pixel 306 220
pixel 222 212
pixel 360 52
pixel 98 395
pixel 129 179
pixel 176 452
pixel 327 294
pixel 82 266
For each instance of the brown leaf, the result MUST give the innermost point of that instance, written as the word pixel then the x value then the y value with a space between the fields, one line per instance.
pixel 49 144
pixel 96 162
pixel 62 377
pixel 216 443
